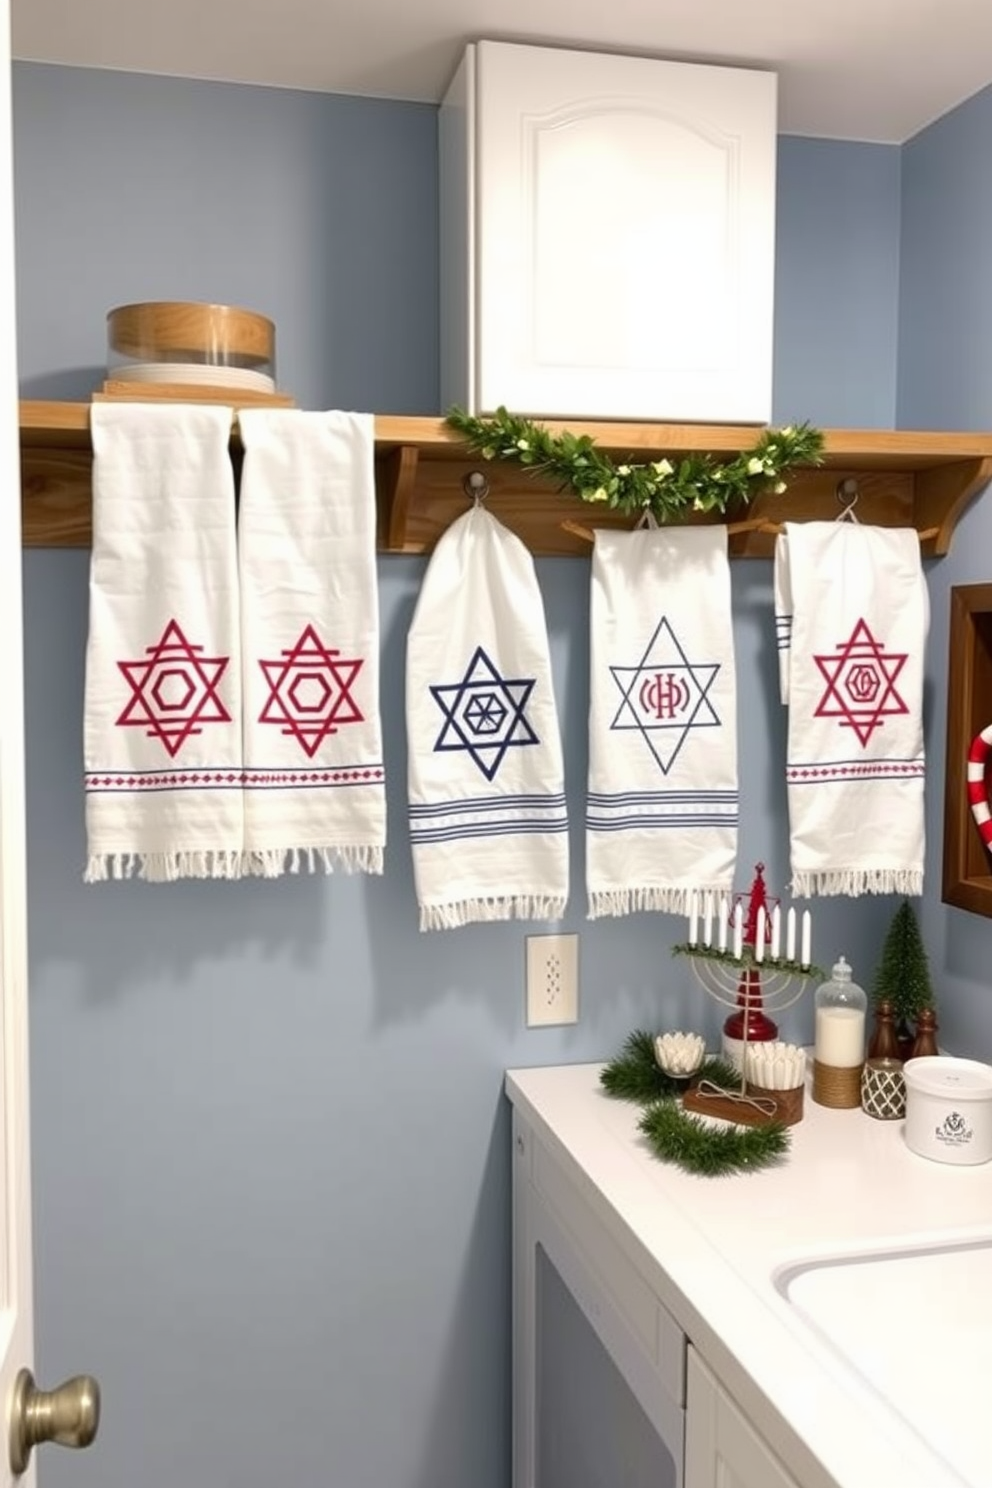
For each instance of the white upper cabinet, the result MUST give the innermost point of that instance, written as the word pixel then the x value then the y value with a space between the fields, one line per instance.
pixel 607 236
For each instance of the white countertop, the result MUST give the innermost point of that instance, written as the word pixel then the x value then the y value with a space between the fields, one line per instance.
pixel 714 1246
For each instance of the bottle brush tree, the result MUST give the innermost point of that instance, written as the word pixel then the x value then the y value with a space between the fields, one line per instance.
pixel 902 976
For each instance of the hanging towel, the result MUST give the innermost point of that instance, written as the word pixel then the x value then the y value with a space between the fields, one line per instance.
pixel 851 618
pixel 162 725
pixel 661 821
pixel 313 770
pixel 488 823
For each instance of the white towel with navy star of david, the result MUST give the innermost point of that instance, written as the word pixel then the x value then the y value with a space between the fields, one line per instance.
pixel 314 781
pixel 851 617
pixel 488 823
pixel 162 708
pixel 661 819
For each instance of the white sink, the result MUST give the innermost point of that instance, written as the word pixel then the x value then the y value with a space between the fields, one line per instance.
pixel 916 1326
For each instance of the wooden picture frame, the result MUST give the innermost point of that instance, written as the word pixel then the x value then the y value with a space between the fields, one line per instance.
pixel 967 875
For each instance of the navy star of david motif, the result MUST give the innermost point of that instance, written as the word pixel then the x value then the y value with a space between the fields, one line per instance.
pixel 484 714
pixel 665 696
pixel 861 684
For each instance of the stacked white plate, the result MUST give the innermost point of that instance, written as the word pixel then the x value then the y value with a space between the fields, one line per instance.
pixel 201 374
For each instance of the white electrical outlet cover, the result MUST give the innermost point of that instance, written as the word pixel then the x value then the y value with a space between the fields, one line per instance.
pixel 552 980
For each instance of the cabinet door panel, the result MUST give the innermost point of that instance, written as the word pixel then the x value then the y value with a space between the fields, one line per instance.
pixel 625 211
pixel 722 1448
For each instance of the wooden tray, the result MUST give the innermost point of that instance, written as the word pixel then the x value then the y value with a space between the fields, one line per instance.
pixel 190 392
pixel 787 1106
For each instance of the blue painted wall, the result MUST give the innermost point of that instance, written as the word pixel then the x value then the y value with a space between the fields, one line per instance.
pixel 945 382
pixel 837 283
pixel 271 1151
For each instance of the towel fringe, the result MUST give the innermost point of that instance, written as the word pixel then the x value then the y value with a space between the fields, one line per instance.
pixel 856 881
pixel 170 867
pixel 500 907
pixel 277 861
pixel 656 899
pixel 163 867
pixel 103 866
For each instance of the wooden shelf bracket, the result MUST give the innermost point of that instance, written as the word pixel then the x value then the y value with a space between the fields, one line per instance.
pixel 396 479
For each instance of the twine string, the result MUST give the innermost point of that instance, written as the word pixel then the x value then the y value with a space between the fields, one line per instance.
pixel 836 1085
pixel 763 1103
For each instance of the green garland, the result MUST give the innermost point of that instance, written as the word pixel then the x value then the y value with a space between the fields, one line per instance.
pixel 769 963
pixel 667 489
pixel 675 1135
pixel 635 1075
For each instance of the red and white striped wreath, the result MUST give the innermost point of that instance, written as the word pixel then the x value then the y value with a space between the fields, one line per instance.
pixel 978 755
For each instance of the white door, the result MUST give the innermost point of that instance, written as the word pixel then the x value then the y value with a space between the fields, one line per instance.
pixel 16 1333
pixel 70 1414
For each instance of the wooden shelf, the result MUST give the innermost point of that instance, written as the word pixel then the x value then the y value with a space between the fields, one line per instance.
pixel 967 880
pixel 904 479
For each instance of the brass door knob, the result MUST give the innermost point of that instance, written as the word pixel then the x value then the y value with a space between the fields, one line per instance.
pixel 69 1416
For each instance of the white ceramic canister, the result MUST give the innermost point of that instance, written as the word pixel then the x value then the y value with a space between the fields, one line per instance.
pixel 949 1109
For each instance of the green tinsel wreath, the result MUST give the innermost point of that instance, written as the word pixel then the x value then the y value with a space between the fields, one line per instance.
pixel 669 489
pixel 675 1135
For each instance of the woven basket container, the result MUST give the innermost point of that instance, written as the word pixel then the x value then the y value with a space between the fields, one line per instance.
pixel 883 1089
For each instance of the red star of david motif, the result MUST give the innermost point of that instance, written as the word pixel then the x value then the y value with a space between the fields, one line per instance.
pixel 861 683
pixel 309 691
pixel 174 692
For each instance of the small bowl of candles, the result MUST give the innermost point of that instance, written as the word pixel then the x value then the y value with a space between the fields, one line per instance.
pixel 679 1055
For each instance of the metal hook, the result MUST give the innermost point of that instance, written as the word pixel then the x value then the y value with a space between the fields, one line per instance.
pixel 475 486
pixel 847 495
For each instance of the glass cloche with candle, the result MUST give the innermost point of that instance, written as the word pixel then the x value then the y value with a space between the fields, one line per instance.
pixel 839 1039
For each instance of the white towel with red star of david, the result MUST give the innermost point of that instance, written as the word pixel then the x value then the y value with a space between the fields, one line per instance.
pixel 162 713
pixel 314 782
pixel 852 614
pixel 488 824
pixel 661 817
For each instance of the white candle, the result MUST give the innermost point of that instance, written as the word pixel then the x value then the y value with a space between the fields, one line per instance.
pixel 839 1037
pixel 724 917
pixel 759 935
pixel 707 919
pixel 790 936
pixel 776 932
pixel 738 931
pixel 806 956
pixel 693 917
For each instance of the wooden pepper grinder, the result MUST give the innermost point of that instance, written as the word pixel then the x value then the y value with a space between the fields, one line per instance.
pixel 925 1042
pixel 884 1043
